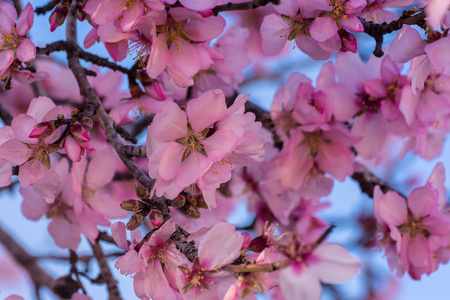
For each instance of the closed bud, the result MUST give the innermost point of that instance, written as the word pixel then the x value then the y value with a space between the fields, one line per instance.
pixel 132 205
pixel 43 129
pixel 141 192
pixel 87 123
pixel 156 217
pixel 193 212
pixel 348 41
pixel 79 13
pixel 135 221
pixel 59 15
pixel 179 201
pixel 79 132
pixel 434 35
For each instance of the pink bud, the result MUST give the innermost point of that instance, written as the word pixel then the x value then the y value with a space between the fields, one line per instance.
pixel 59 15
pixel 348 41
pixel 156 217
pixel 43 129
pixel 79 132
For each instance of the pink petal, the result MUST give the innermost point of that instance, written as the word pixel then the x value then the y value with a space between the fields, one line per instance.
pixel 335 264
pixel 393 209
pixel 390 110
pixel 191 169
pixel 170 124
pixel 436 180
pixel 119 235
pixel 219 246
pixel 107 11
pixel 199 5
pixel 6 22
pixel 311 47
pixel 351 23
pixel 39 107
pixel 435 11
pixel 407 44
pixel 273 36
pixel 368 125
pixel 418 252
pixel 6 59
pixel 375 88
pixel 206 29
pixel 101 168
pixel 221 143
pixel 65 234
pixel 214 100
pixel 299 285
pixel 49 186
pixel 128 263
pixel 30 172
pixel 131 16
pixel 184 58
pixel 436 52
pixel 15 152
pixel 159 57
pixel 118 50
pixel 26 51
pixel 170 160
pixel 73 149
pixel 5 172
pixel 9 10
pixel 25 20
pixel 408 104
pixel 421 201
pixel 323 28
pixel 33 206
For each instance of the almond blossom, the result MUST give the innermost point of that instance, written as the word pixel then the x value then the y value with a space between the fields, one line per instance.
pixel 419 227
pixel 14 42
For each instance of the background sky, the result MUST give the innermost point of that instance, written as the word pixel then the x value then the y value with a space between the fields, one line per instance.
pixel 346 199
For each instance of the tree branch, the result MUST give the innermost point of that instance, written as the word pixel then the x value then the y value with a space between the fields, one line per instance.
pixel 377 31
pixel 367 182
pixel 136 151
pixel 48 7
pixel 243 6
pixel 5 115
pixel 105 272
pixel 27 261
pixel 188 249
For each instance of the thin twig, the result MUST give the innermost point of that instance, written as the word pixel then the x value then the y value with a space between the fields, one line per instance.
pixel 243 6
pixel 105 272
pixel 27 261
pixel 5 115
pixel 48 7
pixel 367 182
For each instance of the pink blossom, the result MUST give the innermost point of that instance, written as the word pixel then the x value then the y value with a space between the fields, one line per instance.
pixel 310 264
pixel 14 42
pixel 376 11
pixel 419 227
pixel 32 154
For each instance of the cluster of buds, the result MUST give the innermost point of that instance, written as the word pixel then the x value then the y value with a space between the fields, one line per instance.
pixel 189 204
pixel 142 208
pixel 58 16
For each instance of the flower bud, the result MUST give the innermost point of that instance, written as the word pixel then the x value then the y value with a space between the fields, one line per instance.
pixel 135 221
pixel 79 132
pixel 59 15
pixel 193 212
pixel 348 41
pixel 141 192
pixel 79 13
pixel 43 129
pixel 156 217
pixel 87 123
pixel 132 205
pixel 197 201
pixel 179 201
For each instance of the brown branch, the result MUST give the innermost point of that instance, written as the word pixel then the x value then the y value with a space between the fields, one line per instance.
pixel 27 261
pixel 243 6
pixel 188 249
pixel 5 115
pixel 136 151
pixel 48 7
pixel 18 6
pixel 105 272
pixel 377 31
pixel 367 182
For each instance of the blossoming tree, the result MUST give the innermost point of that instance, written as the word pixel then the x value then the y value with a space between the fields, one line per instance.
pixel 174 151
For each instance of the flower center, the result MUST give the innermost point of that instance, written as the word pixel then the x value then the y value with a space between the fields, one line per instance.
pixel 338 9
pixel 297 26
pixel 9 41
pixel 174 32
pixel 193 142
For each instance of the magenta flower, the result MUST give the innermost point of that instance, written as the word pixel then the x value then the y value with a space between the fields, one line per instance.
pixel 182 145
pixel 13 37
pixel 419 226
pixel 32 154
